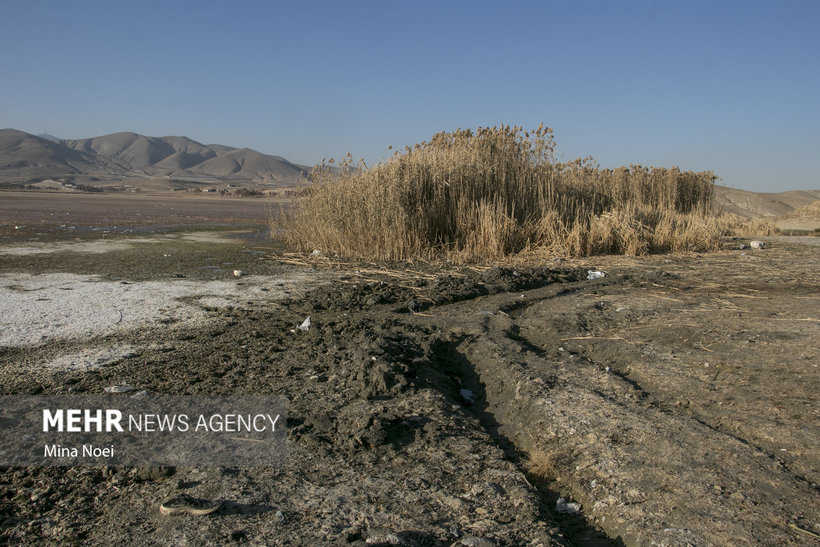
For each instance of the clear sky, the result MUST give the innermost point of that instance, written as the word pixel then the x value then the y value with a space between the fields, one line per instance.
pixel 732 87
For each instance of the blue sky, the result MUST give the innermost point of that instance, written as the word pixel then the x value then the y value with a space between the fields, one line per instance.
pixel 732 87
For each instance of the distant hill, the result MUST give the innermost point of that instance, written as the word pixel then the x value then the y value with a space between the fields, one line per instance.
pixel 244 162
pixel 129 155
pixel 25 156
pixel 761 204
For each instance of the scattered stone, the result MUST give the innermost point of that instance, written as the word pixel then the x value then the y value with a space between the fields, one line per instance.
pixel 381 538
pixel 119 389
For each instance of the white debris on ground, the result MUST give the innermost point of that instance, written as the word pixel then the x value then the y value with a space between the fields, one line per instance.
pixel 39 308
pixel 594 274
pixel 124 388
pixel 567 507
pixel 467 395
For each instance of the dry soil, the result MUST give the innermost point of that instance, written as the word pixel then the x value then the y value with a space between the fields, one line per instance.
pixel 675 399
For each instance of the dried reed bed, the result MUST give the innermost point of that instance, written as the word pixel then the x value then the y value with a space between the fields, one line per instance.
pixel 498 192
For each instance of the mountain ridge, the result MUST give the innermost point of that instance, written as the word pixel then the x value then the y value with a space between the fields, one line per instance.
pixel 131 155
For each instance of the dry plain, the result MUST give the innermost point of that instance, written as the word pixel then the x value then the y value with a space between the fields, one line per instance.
pixel 675 399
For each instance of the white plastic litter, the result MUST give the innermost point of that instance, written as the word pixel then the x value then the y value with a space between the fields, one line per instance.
pixel 305 325
pixel 756 244
pixel 567 508
pixel 119 389
pixel 238 273
pixel 594 274
pixel 316 252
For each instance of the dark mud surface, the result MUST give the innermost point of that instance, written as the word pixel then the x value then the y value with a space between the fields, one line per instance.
pixel 44 209
pixel 675 400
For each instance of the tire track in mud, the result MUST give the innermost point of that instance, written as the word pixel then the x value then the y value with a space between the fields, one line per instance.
pixel 646 395
pixel 658 475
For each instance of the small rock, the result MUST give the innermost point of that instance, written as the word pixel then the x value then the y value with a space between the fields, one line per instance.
pixel 384 539
pixel 119 389
pixel 567 507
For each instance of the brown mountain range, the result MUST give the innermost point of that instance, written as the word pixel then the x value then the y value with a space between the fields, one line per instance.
pixel 29 158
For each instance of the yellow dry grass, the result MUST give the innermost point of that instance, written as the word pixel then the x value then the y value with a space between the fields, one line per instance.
pixel 496 193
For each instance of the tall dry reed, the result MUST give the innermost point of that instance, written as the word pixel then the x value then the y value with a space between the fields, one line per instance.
pixel 489 194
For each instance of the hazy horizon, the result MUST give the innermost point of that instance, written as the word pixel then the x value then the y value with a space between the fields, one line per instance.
pixel 731 87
